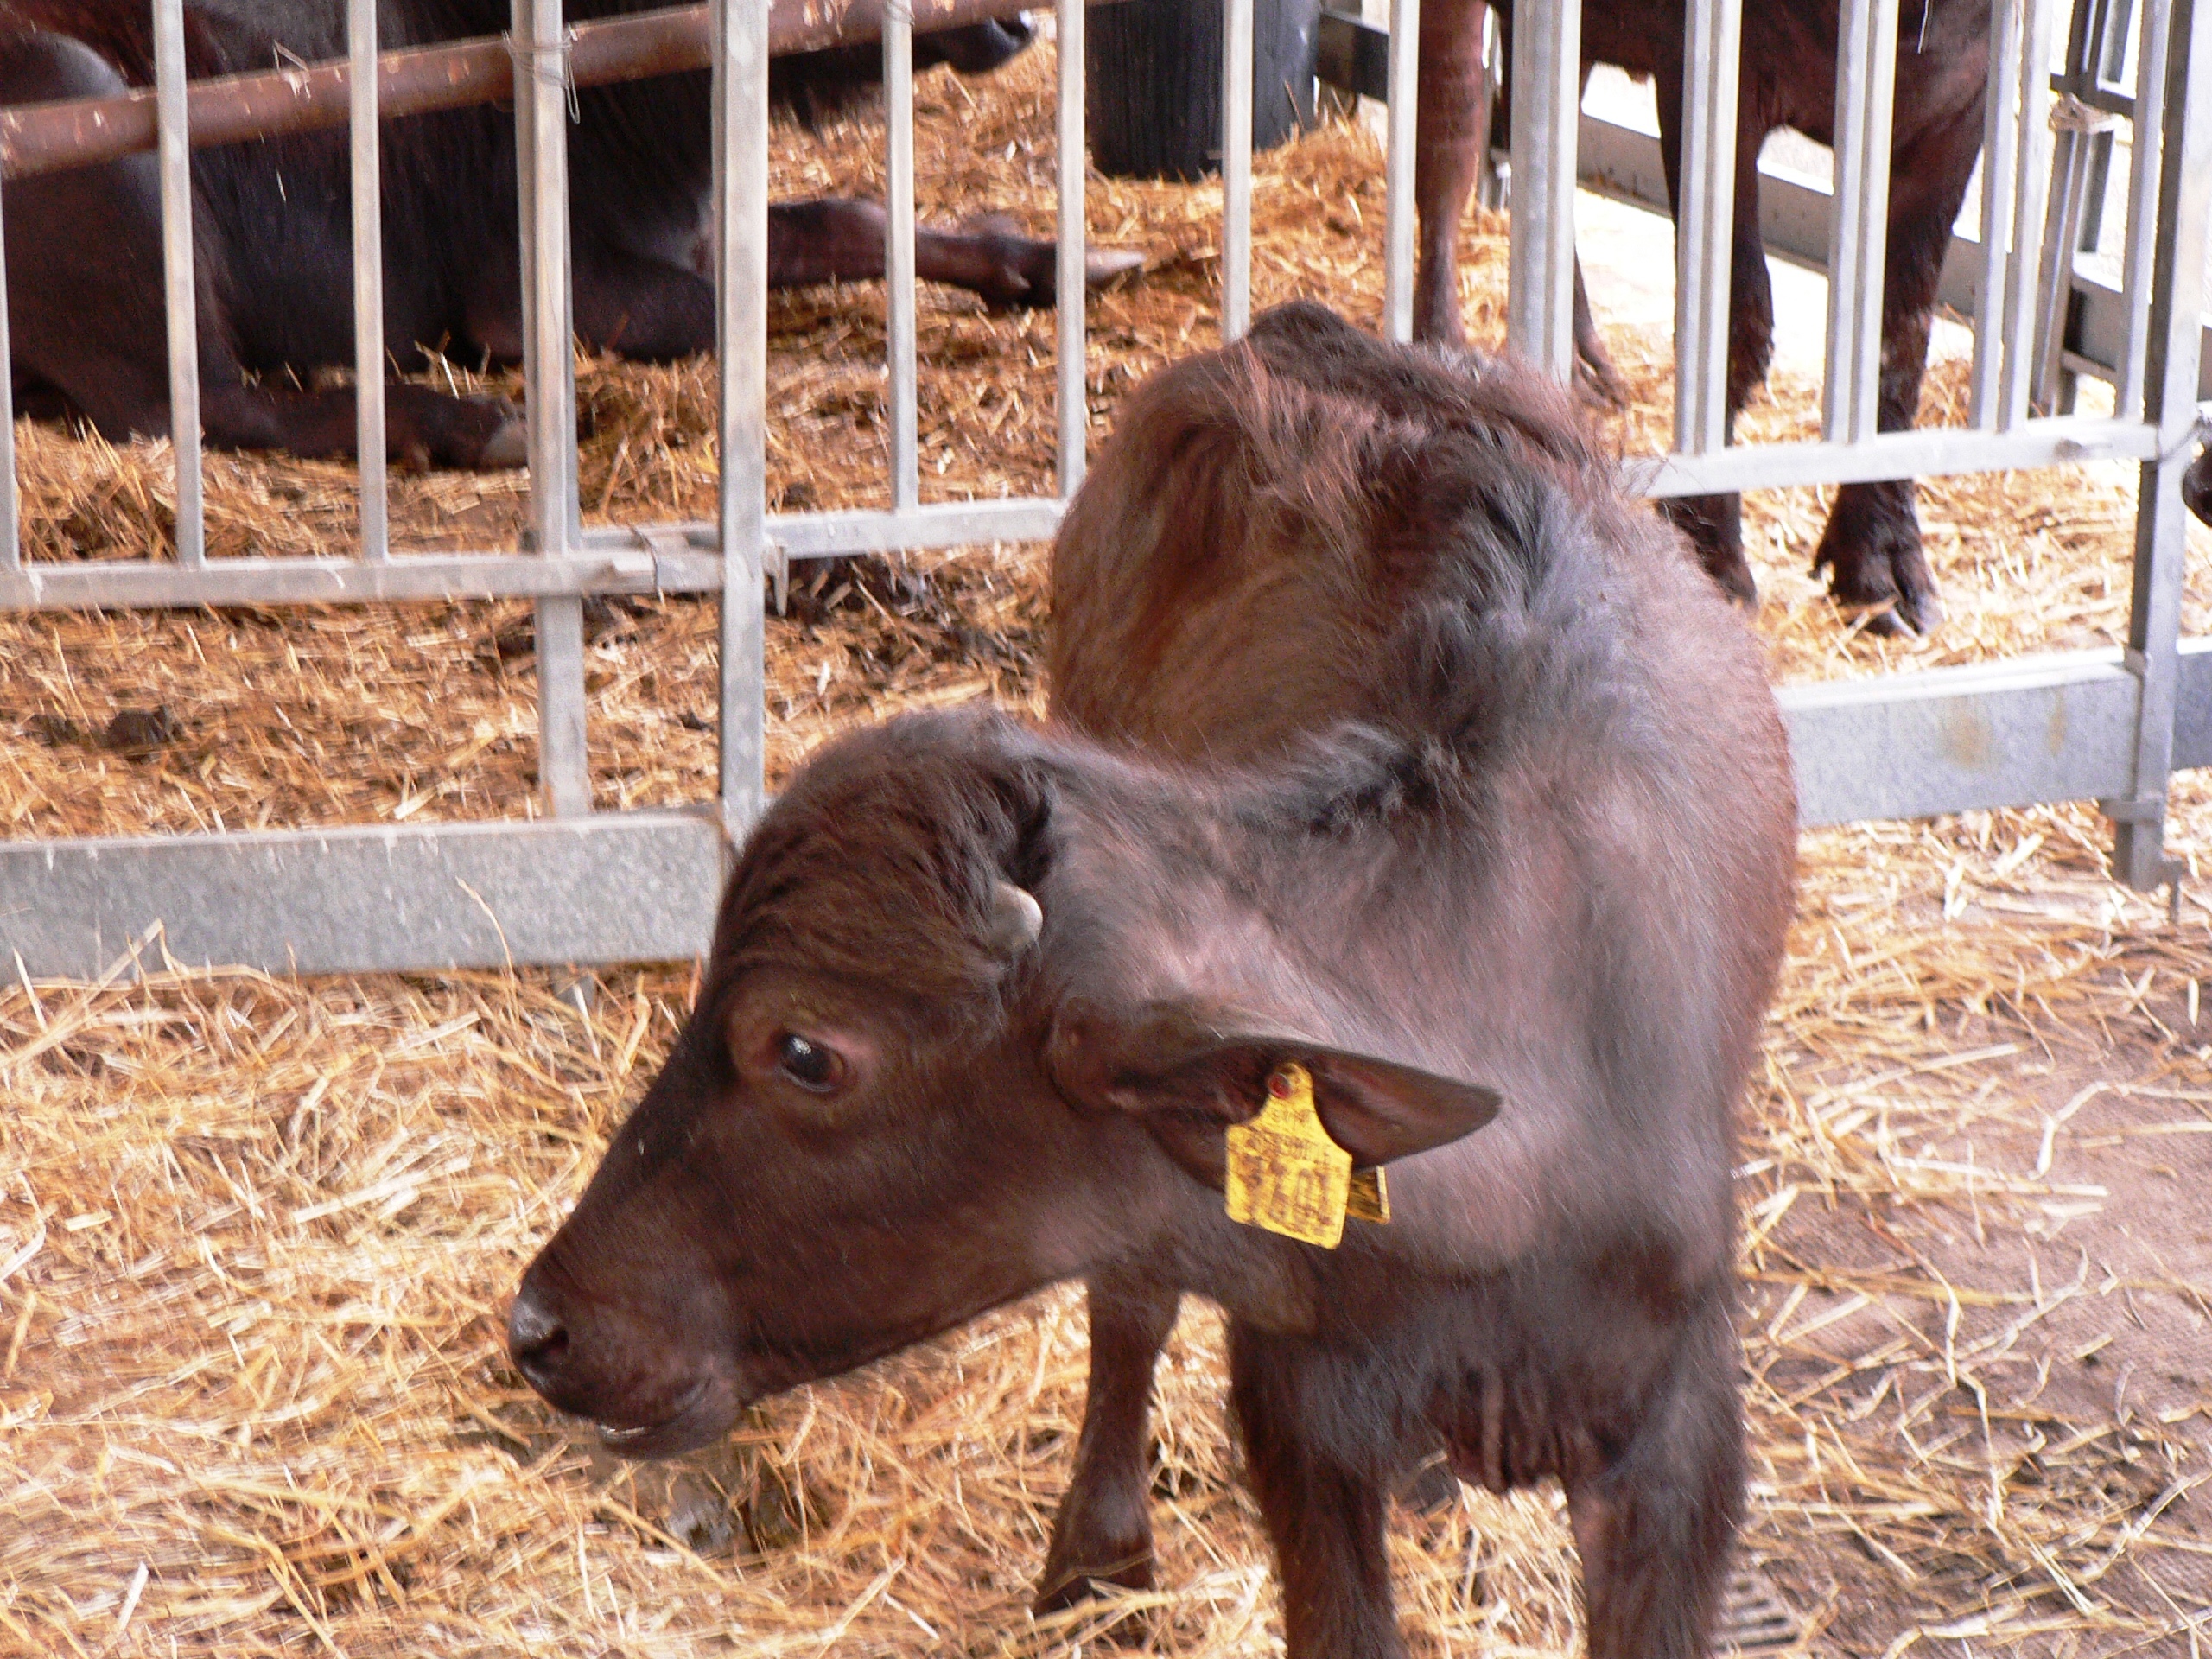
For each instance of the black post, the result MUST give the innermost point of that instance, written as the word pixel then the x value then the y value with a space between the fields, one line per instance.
pixel 1154 83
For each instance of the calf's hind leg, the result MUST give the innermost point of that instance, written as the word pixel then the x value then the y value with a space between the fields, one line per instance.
pixel 1655 1522
pixel 1103 1530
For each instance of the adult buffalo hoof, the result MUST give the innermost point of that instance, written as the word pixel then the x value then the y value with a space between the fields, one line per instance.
pixel 1021 273
pixel 1596 379
pixel 1873 553
pixel 2197 485
pixel 509 445
pixel 425 429
pixel 1714 527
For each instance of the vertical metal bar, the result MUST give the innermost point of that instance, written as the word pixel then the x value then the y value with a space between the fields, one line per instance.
pixel 1490 181
pixel 2143 205
pixel 2001 138
pixel 541 91
pixel 1404 69
pixel 1236 170
pixel 368 274
pixel 2032 190
pixel 179 289
pixel 1547 82
pixel 11 549
pixel 1704 224
pixel 742 349
pixel 1866 66
pixel 2161 524
pixel 2070 174
pixel 2066 195
pixel 898 261
pixel 1074 370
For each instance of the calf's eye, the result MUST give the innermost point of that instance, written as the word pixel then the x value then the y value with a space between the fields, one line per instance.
pixel 810 1065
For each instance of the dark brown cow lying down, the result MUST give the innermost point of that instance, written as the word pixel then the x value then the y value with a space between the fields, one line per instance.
pixel 983 1003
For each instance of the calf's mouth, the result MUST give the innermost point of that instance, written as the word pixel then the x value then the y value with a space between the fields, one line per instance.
pixel 702 1415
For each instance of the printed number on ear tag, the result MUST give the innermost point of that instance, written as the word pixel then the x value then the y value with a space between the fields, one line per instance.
pixel 1286 1175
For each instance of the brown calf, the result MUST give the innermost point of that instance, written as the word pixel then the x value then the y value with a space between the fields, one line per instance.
pixel 984 1002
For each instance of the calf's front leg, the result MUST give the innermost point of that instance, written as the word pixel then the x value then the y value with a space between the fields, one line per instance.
pixel 1324 1512
pixel 1655 1522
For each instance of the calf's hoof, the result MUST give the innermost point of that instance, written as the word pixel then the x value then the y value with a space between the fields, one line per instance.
pixel 1077 1572
pixel 1428 1488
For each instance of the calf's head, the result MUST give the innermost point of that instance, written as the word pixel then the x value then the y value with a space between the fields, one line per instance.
pixel 947 1049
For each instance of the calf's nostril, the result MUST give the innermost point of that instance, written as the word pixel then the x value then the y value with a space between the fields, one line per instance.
pixel 537 1339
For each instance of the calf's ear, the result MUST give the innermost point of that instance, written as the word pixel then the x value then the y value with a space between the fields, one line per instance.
pixel 1190 1070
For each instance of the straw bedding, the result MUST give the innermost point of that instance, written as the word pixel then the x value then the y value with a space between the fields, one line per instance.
pixel 256 1236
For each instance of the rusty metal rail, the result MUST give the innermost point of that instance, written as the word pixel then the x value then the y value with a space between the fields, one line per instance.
pixel 230 109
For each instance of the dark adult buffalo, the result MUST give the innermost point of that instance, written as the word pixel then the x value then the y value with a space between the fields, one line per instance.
pixel 1872 545
pixel 983 1002
pixel 274 234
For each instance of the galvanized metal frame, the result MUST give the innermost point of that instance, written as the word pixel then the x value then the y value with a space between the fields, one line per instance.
pixel 580 885
pixel 1236 170
pixel 1547 99
pixel 179 285
pixel 363 137
pixel 1704 224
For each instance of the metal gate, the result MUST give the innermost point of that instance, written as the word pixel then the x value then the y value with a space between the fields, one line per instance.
pixel 575 885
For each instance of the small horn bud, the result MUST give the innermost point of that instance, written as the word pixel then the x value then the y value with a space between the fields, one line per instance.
pixel 1016 919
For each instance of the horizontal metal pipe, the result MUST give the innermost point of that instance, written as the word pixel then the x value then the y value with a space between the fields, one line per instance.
pixel 230 109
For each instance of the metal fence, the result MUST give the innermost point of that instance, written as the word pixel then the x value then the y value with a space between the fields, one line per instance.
pixel 575 885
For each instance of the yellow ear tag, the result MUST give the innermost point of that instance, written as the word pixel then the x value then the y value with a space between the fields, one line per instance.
pixel 1285 1173
pixel 1369 1199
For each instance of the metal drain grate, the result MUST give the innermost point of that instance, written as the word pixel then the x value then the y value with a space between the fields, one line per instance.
pixel 1753 1618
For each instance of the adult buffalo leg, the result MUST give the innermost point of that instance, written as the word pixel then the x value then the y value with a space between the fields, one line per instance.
pixel 645 309
pixel 1714 524
pixel 835 240
pixel 1450 129
pixel 1872 546
pixel 1655 1522
pixel 1453 122
pixel 1594 364
pixel 86 245
pixel 1324 1512
pixel 422 429
pixel 1103 1530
